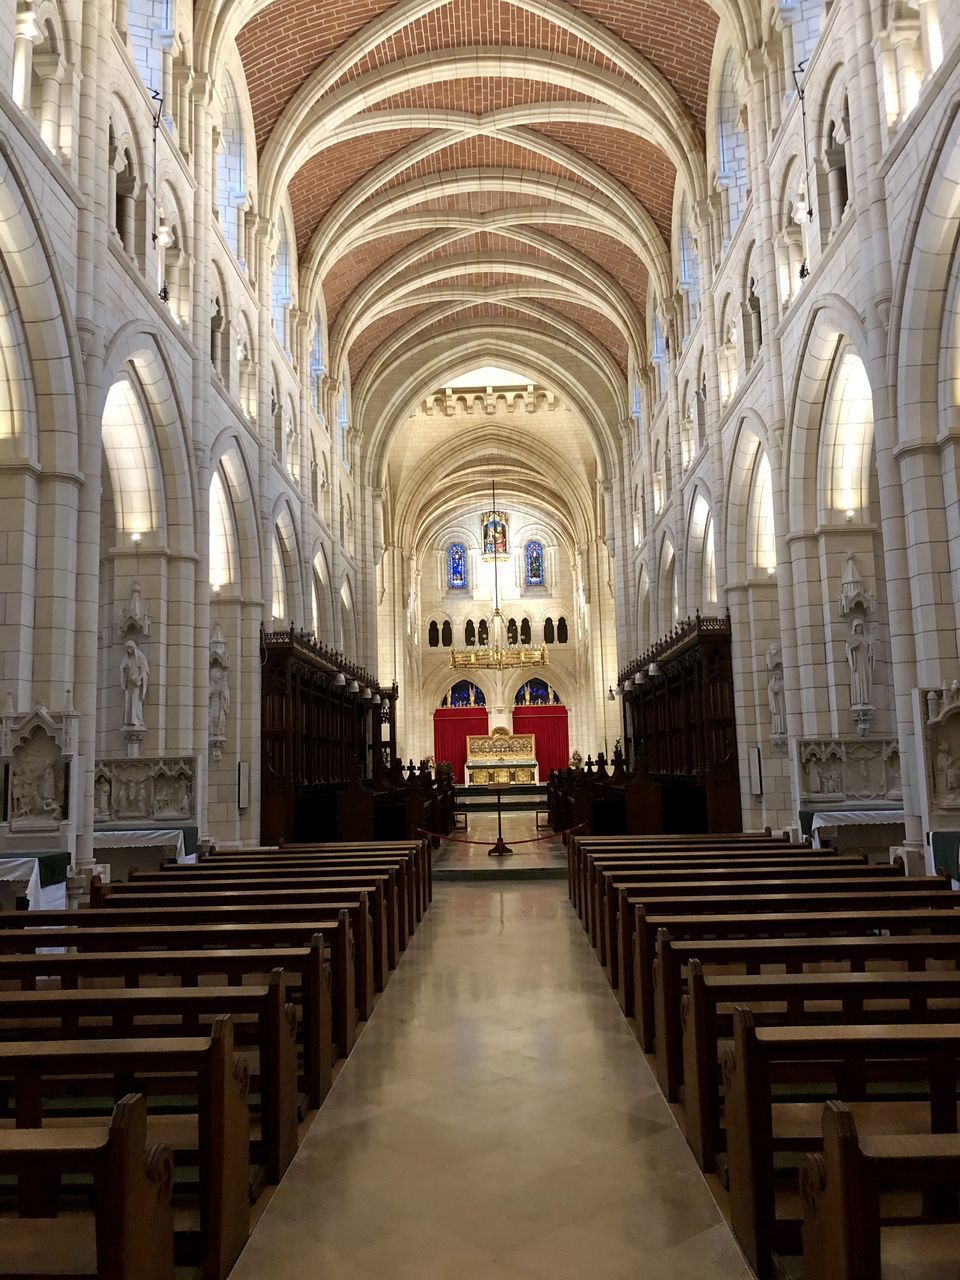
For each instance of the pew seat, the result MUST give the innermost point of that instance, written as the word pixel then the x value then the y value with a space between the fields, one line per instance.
pixel 126 1233
pixel 845 1190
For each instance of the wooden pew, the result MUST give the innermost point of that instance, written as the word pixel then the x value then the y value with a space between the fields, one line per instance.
pixel 135 1013
pixel 920 952
pixel 304 965
pixel 420 851
pixel 618 916
pixel 128 1235
pixel 705 859
pixel 794 999
pixel 243 902
pixel 280 874
pixel 580 848
pixel 608 878
pixel 844 1233
pixel 253 880
pixel 415 858
pixel 760 1124
pixel 42 1069
pixel 204 932
pixel 273 865
pixel 821 923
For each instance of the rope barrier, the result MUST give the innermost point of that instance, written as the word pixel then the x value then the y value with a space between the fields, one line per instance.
pixel 555 835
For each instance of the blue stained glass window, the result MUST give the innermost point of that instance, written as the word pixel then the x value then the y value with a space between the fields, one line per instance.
pixel 533 555
pixel 457 566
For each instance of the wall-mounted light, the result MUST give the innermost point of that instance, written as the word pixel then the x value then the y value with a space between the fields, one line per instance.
pixel 611 696
pixel 216 588
pixel 339 679
pixel 771 570
pixel 628 686
pixel 135 537
pixel 653 671
pixel 367 694
pixel 353 687
pixel 851 516
pixel 376 699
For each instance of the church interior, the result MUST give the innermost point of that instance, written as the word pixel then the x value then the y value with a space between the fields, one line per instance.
pixel 479 614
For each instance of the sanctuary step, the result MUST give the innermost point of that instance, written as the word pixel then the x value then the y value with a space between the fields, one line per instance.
pixel 521 796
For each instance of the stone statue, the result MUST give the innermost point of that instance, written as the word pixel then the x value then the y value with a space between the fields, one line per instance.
pixel 775 692
pixel 219 702
pixel 134 681
pixel 860 659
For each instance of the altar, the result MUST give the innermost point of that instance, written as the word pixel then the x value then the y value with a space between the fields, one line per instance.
pixel 501 759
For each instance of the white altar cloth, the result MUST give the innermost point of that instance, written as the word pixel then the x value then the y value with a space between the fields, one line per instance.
pixel 852 817
pixel 53 897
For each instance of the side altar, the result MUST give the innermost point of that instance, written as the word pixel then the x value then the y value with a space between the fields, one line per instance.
pixel 501 759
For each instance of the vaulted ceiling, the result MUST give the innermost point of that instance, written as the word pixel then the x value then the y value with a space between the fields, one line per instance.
pixel 465 166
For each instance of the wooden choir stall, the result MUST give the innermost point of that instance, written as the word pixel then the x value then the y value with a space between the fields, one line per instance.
pixel 680 732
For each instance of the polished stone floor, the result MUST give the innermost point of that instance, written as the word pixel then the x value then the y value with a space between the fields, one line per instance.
pixel 533 849
pixel 496 1121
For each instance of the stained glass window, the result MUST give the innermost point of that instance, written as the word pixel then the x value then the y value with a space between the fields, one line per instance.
pixel 533 555
pixel 464 694
pixel 457 566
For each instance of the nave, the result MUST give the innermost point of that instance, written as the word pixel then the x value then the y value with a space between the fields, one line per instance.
pixel 497 1118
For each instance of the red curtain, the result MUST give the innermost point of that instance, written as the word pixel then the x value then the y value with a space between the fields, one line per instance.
pixel 451 727
pixel 552 741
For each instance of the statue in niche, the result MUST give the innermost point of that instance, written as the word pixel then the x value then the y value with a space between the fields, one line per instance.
pixel 814 780
pixel 37 780
pixel 219 702
pixel 134 681
pixel 945 768
pixel 860 659
pixel 775 692
pixel 102 798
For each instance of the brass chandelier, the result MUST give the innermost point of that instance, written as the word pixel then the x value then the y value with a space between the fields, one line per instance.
pixel 496 656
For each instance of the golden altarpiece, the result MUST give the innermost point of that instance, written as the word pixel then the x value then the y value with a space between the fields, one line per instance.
pixel 501 759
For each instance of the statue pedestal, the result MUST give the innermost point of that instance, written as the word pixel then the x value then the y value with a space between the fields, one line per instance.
pixel 133 739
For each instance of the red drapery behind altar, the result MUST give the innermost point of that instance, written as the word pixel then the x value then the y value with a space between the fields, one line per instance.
pixel 553 740
pixel 451 727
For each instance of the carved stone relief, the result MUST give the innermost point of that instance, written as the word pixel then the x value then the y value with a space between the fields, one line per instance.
pixel 852 771
pixel 38 776
pixel 145 790
pixel 38 748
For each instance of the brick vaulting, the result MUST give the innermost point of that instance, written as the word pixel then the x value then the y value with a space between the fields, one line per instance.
pixel 478 161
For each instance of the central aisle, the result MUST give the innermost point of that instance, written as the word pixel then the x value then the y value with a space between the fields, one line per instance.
pixel 496 1121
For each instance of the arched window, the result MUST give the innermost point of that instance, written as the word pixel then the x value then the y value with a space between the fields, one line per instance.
pixel 133 467
pixel 561 631
pixel 433 636
pixel 548 632
pixel 846 442
pixel 469 633
pixel 689 281
pixel 513 634
pixel 536 693
pixel 231 195
pixel 280 298
pixel 464 694
pixel 278 607
pixel 525 631
pixel 150 31
pixel 533 562
pixel 636 412
pixel 446 635
pixel 317 366
pixel 659 356
pixel 761 530
pixel 223 538
pixel 709 564
pixel 731 150
pixel 343 426
pixel 669 585
pixel 483 633
pixel 457 566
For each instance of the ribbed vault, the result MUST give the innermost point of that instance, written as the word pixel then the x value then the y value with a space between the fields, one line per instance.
pixel 461 166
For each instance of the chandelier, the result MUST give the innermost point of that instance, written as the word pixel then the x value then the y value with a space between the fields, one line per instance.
pixel 496 655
